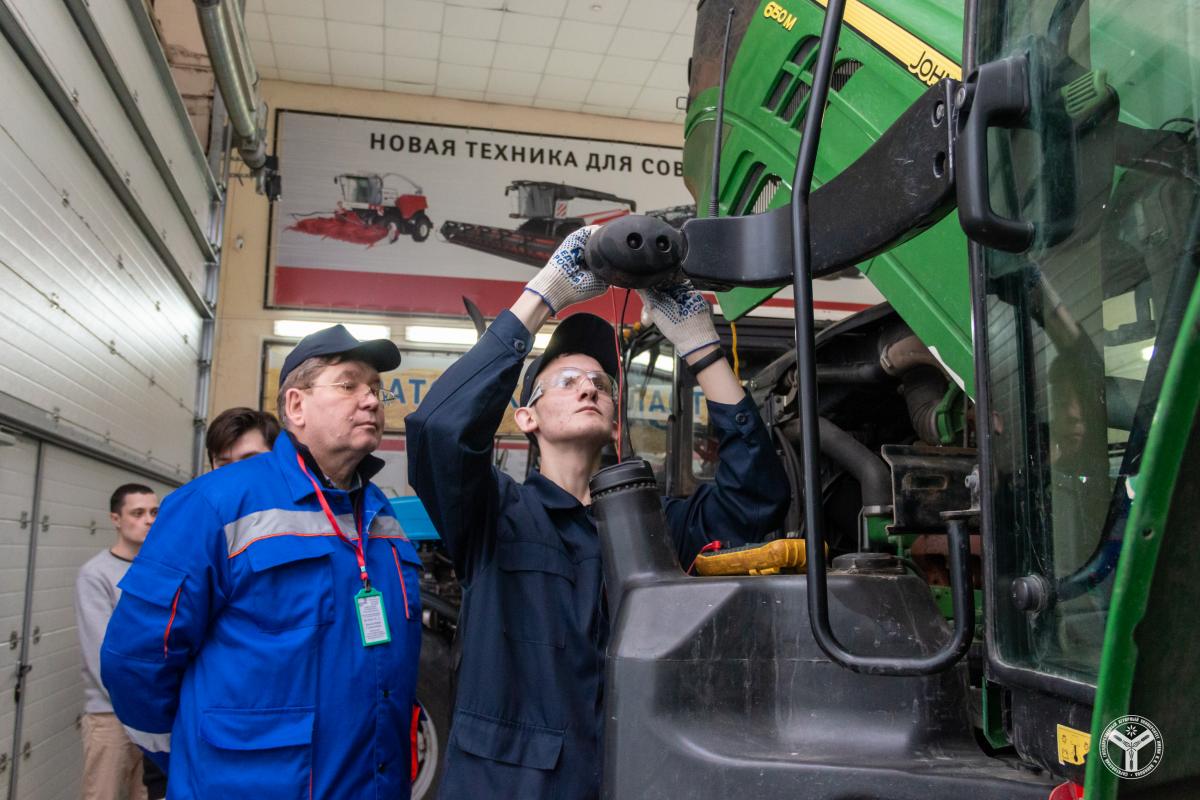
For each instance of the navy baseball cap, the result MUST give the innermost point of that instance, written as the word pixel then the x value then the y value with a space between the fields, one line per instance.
pixel 586 334
pixel 382 354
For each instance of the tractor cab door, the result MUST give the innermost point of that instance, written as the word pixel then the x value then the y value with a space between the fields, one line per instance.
pixel 1081 194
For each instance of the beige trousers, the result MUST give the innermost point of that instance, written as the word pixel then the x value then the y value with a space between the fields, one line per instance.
pixel 112 765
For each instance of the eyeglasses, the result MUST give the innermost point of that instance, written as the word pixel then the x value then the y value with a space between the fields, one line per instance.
pixel 568 379
pixel 356 389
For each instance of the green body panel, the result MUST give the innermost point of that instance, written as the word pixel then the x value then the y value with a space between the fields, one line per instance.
pixel 877 525
pixel 951 416
pixel 993 715
pixel 1150 644
pixel 1136 569
pixel 935 22
pixel 925 279
pixel 944 597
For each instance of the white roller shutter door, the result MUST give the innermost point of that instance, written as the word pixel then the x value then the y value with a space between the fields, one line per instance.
pixel 18 464
pixel 72 525
pixel 105 209
pixel 93 329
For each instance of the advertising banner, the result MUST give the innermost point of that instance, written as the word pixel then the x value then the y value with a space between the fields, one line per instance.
pixel 402 217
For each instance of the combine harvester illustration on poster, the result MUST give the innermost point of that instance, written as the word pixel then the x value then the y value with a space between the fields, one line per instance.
pixel 551 211
pixel 373 207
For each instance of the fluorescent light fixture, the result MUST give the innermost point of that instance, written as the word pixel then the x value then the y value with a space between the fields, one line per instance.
pixel 1147 353
pixel 299 328
pixel 439 334
pixel 461 337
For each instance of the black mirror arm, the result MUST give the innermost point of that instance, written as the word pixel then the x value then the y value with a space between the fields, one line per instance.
pixel 959 545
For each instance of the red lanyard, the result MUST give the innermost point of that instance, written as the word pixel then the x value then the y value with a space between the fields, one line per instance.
pixel 358 544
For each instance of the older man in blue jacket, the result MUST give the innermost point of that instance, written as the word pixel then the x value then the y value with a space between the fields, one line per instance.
pixel 529 716
pixel 271 622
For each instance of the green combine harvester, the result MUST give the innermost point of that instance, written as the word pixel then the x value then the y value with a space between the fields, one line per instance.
pixel 994 470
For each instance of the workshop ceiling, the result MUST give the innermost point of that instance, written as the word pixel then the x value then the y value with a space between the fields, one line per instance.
pixel 620 58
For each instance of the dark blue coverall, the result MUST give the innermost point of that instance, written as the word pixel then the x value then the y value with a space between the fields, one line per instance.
pixel 529 718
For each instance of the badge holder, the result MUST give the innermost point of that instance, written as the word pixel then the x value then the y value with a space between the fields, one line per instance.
pixel 372 617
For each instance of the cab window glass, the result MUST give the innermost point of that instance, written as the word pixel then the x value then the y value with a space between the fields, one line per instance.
pixel 1080 327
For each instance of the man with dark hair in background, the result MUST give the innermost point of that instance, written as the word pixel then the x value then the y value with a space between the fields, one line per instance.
pixel 112 764
pixel 234 435
pixel 239 433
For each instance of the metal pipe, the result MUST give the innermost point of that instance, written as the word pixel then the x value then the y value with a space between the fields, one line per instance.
pixel 873 476
pixel 869 372
pixel 791 467
pixel 253 151
pixel 923 389
pixel 806 362
pixel 922 382
pixel 441 607
pixel 907 353
pixel 959 547
pixel 236 28
pixel 238 100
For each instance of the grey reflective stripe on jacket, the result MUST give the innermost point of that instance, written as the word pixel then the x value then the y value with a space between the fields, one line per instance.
pixel 241 533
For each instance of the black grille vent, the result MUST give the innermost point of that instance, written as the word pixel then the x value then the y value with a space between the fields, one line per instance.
pixel 781 84
pixel 789 77
pixel 794 105
pixel 763 201
pixel 806 47
pixel 745 194
pixel 754 196
pixel 790 91
pixel 843 71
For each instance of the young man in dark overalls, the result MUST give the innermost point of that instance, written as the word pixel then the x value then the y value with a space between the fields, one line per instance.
pixel 528 721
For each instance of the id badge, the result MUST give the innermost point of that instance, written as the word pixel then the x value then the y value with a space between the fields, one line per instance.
pixel 372 617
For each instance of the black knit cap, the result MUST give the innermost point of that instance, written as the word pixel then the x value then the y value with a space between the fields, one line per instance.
pixel 581 333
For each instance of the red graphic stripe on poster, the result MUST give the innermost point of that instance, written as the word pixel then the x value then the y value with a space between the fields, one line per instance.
pixel 302 287
pixel 417 294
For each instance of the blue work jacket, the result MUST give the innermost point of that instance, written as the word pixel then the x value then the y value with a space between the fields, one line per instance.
pixel 237 631
pixel 528 721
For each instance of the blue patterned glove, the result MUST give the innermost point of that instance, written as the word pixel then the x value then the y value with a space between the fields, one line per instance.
pixel 682 314
pixel 564 281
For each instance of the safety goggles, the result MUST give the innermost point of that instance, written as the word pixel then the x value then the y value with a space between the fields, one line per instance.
pixel 568 379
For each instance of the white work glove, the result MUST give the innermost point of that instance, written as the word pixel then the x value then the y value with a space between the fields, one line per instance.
pixel 565 281
pixel 682 314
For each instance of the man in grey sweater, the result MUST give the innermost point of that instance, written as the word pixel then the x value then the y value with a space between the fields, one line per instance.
pixel 112 764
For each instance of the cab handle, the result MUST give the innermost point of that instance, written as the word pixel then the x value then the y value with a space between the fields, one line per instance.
pixel 996 95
